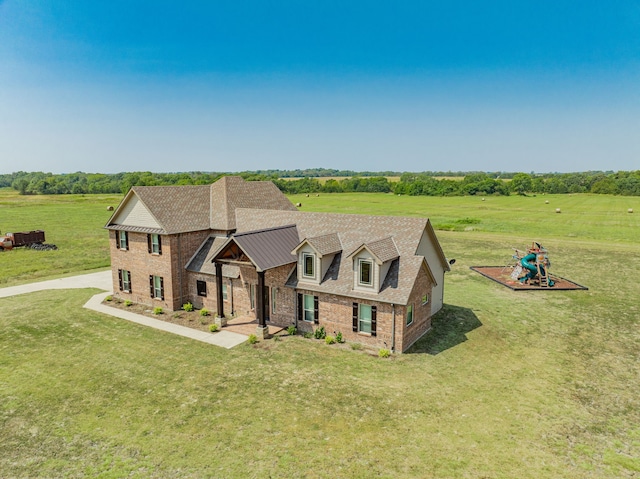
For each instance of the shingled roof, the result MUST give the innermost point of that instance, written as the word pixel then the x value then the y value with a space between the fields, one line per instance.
pixel 405 234
pixel 180 209
pixel 201 261
pixel 231 192
pixel 384 249
pixel 325 244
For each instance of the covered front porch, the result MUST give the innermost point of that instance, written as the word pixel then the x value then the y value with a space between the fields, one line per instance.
pixel 248 324
pixel 260 251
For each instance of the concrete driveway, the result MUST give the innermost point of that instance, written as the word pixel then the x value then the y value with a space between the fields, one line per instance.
pixel 102 280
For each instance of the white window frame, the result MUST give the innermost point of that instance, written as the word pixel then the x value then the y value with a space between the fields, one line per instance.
pixel 304 265
pixel 306 311
pixel 410 313
pixel 425 298
pixel 123 240
pixel 155 243
pixel 252 296
pixel 225 295
pixel 362 320
pixel 126 280
pixel 157 287
pixel 362 262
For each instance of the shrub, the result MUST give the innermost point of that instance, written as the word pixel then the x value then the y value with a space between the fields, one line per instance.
pixel 157 310
pixel 253 339
pixel 204 312
pixel 204 320
pixel 187 307
pixel 291 330
pixel 330 340
pixel 320 333
pixel 307 335
pixel 108 298
pixel 213 328
pixel 356 346
pixel 339 337
pixel 384 353
pixel 128 302
pixel 276 338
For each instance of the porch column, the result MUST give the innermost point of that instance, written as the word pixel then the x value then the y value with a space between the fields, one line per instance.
pixel 220 299
pixel 260 312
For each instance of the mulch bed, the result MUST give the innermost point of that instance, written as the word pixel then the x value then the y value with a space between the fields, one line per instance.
pixel 502 275
pixel 190 319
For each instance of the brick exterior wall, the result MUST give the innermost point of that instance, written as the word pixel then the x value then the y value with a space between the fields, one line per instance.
pixel 176 251
pixel 407 335
pixel 335 313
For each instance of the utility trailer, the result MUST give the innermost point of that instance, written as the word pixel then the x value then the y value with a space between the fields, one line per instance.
pixel 23 238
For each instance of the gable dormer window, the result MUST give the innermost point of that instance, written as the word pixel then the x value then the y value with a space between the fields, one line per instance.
pixel 365 273
pixel 308 265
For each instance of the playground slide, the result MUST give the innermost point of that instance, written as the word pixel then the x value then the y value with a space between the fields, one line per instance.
pixel 533 270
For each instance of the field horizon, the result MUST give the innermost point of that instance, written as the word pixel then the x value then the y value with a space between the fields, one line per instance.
pixel 507 384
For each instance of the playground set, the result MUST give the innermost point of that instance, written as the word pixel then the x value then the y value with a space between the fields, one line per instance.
pixel 535 264
pixel 529 271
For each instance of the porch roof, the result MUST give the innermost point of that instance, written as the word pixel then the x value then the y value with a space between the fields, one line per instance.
pixel 266 249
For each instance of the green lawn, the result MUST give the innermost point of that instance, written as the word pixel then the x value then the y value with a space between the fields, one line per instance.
pixel 508 384
pixel 72 222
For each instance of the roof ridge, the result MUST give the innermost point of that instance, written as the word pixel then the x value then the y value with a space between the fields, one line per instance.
pixel 263 230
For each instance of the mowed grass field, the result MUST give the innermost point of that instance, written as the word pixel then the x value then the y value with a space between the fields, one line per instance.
pixel 507 385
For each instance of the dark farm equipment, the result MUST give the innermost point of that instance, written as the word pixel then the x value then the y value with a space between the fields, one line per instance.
pixel 29 239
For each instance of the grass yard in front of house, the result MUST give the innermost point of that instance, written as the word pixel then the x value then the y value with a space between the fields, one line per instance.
pixel 507 384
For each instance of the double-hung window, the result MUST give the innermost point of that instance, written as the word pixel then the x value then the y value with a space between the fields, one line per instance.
pixel 123 240
pixel 365 318
pixel 124 278
pixel 224 292
pixel 308 308
pixel 156 286
pixel 154 243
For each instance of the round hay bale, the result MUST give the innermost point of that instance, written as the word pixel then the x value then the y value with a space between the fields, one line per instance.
pixel 109 208
pixel 307 195
pixel 630 210
pixel 483 199
pixel 557 210
pixel 298 205
pixel 546 202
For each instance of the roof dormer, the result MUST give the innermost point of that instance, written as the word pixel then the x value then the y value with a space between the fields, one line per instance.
pixel 371 262
pixel 315 256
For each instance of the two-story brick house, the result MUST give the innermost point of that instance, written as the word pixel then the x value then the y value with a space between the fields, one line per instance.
pixel 376 279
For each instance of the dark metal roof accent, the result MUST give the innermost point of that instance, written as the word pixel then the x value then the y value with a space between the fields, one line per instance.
pixel 136 229
pixel 266 248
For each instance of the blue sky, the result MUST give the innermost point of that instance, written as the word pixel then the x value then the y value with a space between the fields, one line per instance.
pixel 242 85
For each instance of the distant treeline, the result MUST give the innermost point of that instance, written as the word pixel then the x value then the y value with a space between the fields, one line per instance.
pixel 342 181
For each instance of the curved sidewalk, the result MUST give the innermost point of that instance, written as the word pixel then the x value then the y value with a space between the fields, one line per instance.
pixel 102 280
